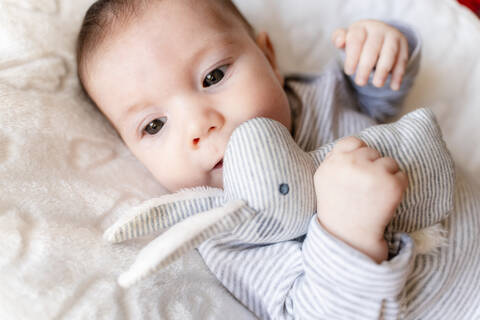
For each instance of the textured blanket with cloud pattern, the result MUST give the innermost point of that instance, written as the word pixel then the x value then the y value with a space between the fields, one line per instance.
pixel 65 176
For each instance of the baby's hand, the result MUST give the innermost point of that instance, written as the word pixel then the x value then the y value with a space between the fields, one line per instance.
pixel 369 44
pixel 357 192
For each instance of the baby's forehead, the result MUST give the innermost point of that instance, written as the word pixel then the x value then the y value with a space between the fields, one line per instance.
pixel 172 18
pixel 179 26
pixel 221 14
pixel 162 38
pixel 117 22
pixel 159 38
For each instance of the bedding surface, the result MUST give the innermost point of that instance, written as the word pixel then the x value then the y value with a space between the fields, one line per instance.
pixel 65 176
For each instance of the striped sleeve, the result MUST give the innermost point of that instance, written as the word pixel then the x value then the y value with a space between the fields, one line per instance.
pixel 319 278
pixel 381 103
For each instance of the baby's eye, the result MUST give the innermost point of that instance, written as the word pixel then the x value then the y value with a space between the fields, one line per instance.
pixel 215 76
pixel 155 126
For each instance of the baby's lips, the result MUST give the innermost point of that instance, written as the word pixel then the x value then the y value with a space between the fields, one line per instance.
pixel 219 164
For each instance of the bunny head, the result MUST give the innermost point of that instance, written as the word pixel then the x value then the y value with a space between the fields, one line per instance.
pixel 265 167
pixel 268 191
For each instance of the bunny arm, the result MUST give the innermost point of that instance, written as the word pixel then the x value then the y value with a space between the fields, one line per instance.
pixel 416 129
pixel 415 142
pixel 184 236
pixel 163 212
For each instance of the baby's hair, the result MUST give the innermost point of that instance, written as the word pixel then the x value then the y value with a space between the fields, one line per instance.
pixel 105 16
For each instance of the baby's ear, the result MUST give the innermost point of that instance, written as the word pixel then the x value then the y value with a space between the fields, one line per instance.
pixel 163 212
pixel 264 43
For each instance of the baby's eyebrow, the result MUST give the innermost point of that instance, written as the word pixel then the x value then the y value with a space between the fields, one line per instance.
pixel 132 109
pixel 223 38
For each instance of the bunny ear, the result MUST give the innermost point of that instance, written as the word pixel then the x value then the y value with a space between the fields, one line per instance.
pixel 159 213
pixel 184 236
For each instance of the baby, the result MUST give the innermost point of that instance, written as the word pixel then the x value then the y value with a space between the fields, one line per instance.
pixel 176 77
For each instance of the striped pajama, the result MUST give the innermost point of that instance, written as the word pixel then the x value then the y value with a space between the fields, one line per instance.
pixel 319 277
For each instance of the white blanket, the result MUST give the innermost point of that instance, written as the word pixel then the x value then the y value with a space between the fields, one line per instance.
pixel 65 176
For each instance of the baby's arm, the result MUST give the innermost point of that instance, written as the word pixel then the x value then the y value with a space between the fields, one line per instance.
pixel 381 62
pixel 319 278
pixel 340 271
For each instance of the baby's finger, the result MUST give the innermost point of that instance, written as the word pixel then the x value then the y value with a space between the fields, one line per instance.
pixel 388 56
pixel 355 39
pixel 402 176
pixel 400 66
pixel 369 57
pixel 388 164
pixel 367 153
pixel 328 155
pixel 348 144
pixel 338 38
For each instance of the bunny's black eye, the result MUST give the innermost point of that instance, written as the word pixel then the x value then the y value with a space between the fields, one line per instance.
pixel 284 189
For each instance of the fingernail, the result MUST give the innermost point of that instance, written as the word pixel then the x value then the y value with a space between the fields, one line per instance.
pixel 338 41
pixel 360 81
pixel 348 70
pixel 395 86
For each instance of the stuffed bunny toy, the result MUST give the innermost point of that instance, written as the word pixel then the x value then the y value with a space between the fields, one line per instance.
pixel 269 193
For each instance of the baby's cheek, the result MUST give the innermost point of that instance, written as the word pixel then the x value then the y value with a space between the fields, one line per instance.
pixel 264 98
pixel 275 104
pixel 161 169
pixel 175 177
pixel 256 90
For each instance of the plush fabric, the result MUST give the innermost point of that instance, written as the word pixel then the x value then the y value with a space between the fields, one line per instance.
pixel 65 176
pixel 268 191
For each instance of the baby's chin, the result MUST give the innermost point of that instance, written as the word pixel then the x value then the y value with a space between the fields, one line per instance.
pixel 216 178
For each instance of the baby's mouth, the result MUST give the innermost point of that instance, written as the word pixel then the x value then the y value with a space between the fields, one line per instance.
pixel 219 164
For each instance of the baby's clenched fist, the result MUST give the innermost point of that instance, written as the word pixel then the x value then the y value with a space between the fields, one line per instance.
pixel 357 192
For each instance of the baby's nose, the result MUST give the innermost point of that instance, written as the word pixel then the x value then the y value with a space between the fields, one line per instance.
pixel 196 141
pixel 202 125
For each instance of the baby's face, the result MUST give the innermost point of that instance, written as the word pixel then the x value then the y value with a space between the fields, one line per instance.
pixel 177 81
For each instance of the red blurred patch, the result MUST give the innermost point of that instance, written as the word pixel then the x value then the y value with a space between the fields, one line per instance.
pixel 473 5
